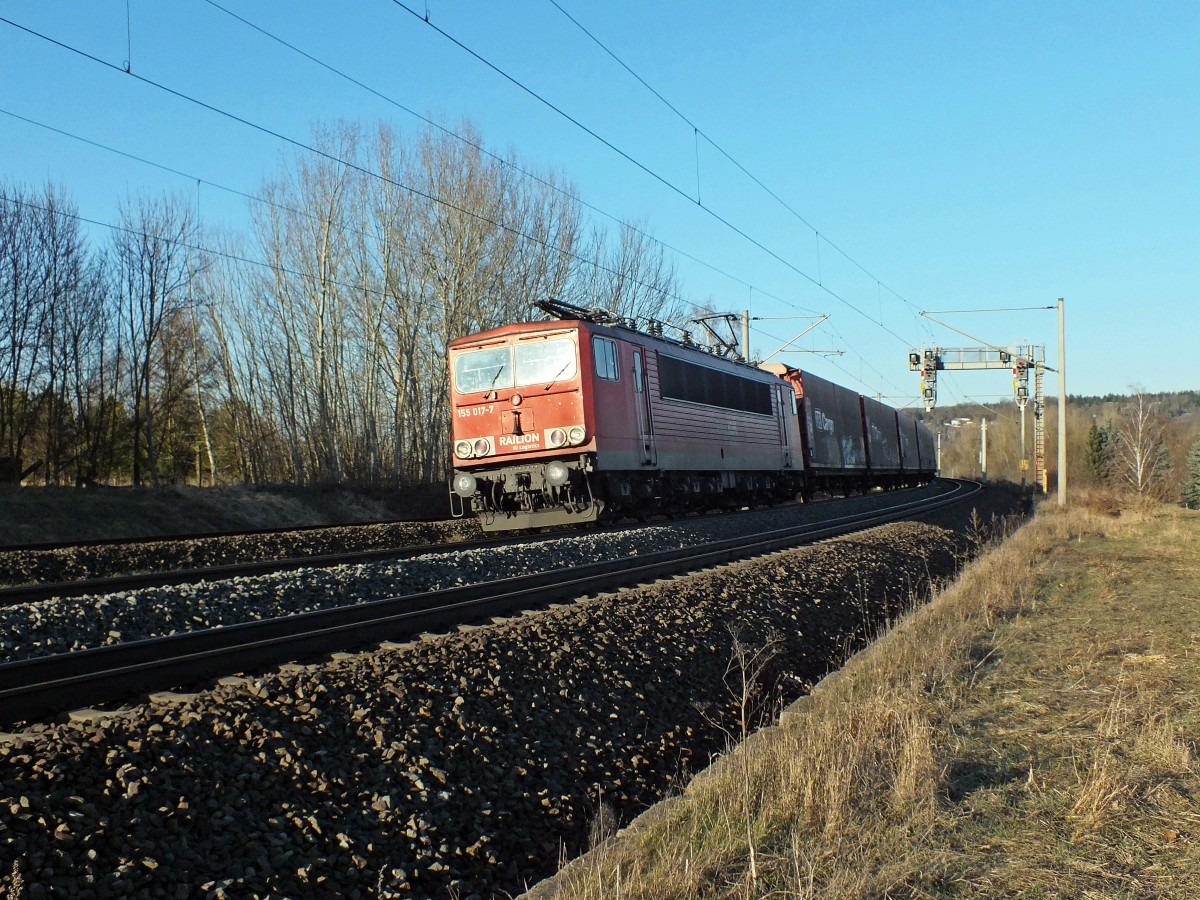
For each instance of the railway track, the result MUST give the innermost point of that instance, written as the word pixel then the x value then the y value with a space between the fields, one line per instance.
pixel 36 688
pixel 37 591
pixel 30 574
pixel 33 593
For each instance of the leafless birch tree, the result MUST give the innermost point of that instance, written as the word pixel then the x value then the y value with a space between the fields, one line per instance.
pixel 1142 457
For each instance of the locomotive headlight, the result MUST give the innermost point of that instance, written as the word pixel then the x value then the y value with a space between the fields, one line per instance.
pixel 462 449
pixel 482 446
pixel 464 484
pixel 556 437
pixel 576 434
pixel 557 473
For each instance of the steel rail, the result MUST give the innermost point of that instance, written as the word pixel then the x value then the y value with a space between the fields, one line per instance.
pixel 37 688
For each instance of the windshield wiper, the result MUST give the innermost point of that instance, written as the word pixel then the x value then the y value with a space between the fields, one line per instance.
pixel 564 368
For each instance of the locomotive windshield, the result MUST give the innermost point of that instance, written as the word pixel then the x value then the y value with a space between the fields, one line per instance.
pixel 482 370
pixel 543 362
pixel 535 362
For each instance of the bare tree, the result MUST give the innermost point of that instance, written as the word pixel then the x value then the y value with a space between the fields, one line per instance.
pixel 24 308
pixel 492 243
pixel 394 329
pixel 304 237
pixel 52 319
pixel 82 384
pixel 247 437
pixel 373 276
pixel 632 279
pixel 1142 460
pixel 156 264
pixel 379 254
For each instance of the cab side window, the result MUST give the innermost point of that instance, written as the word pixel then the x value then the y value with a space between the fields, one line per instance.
pixel 604 352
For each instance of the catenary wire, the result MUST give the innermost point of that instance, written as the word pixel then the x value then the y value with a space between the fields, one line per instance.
pixel 843 344
pixel 199 248
pixel 255 198
pixel 700 133
pixel 417 192
pixel 274 268
pixel 646 169
pixel 449 132
pixel 991 310
pixel 333 158
pixel 342 226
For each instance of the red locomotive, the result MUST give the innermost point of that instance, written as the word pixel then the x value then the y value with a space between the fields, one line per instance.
pixel 561 421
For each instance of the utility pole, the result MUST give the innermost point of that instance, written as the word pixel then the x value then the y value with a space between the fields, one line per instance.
pixel 1039 427
pixel 746 335
pixel 983 449
pixel 1062 409
pixel 1021 390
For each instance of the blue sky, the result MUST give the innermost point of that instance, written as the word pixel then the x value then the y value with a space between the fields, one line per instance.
pixel 962 155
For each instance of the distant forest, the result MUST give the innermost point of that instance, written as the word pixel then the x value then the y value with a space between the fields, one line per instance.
pixel 1148 443
pixel 1172 404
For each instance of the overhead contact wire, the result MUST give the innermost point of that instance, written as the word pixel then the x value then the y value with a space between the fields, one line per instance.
pixel 469 143
pixel 646 169
pixel 417 192
pixel 699 132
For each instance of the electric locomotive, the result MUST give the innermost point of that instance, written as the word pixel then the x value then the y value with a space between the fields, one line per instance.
pixel 563 421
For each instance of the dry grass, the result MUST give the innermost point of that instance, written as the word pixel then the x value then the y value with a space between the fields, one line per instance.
pixel 1032 731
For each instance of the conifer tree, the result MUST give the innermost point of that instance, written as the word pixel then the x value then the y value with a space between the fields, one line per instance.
pixel 1191 490
pixel 1100 450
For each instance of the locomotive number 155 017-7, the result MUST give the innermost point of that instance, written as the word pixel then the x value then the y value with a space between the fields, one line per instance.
pixel 467 412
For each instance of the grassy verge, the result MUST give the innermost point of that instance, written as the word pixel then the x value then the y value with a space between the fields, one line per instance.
pixel 1032 731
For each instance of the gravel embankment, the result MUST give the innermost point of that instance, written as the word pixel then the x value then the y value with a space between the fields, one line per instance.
pixel 73 563
pixel 463 766
pixel 62 625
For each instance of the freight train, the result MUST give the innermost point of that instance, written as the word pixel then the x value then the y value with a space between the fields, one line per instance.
pixel 584 416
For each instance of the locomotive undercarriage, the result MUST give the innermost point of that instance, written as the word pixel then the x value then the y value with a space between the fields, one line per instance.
pixel 569 491
pixel 558 492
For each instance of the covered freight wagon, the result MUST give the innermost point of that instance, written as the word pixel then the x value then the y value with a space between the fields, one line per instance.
pixel 835 453
pixel 883 440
